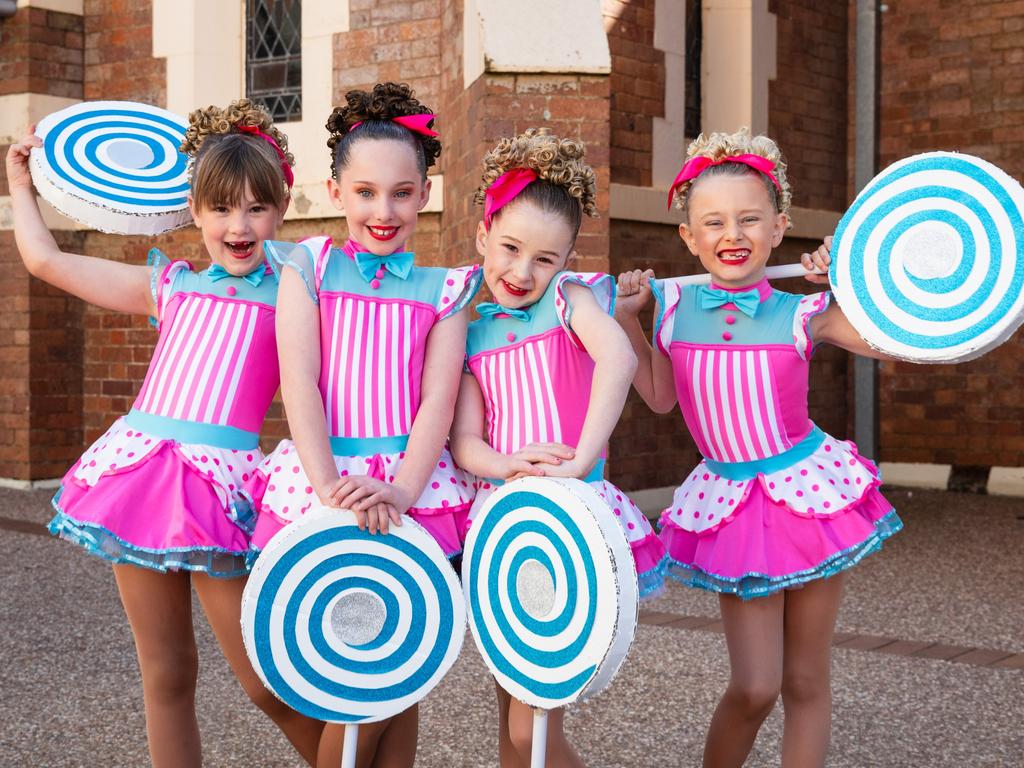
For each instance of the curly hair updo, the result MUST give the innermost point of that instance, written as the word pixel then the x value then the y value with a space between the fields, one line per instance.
pixel 223 159
pixel 565 183
pixel 374 111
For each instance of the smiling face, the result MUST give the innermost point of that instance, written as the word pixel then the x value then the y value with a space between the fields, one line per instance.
pixel 525 247
pixel 233 233
pixel 732 227
pixel 381 191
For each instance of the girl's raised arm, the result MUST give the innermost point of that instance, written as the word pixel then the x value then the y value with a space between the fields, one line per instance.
pixel 107 284
pixel 654 382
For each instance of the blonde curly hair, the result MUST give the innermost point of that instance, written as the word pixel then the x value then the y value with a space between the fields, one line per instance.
pixel 560 168
pixel 222 159
pixel 716 146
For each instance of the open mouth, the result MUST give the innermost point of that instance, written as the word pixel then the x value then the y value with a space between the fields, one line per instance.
pixel 382 233
pixel 514 290
pixel 242 249
pixel 734 256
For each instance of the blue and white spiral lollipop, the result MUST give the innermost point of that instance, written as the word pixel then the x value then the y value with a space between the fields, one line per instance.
pixel 551 590
pixel 348 627
pixel 928 262
pixel 114 166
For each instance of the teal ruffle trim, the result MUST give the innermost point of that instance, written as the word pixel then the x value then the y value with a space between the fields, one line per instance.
pixel 99 541
pixel 758 585
pixel 652 582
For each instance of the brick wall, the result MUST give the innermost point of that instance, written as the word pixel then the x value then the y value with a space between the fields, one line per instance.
pixel 41 52
pixel 807 100
pixel 953 79
pixel 637 86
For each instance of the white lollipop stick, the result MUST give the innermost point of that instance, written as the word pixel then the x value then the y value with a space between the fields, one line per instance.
pixel 348 755
pixel 781 271
pixel 539 748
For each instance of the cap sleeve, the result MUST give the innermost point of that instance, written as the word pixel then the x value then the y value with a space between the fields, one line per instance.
pixel 460 286
pixel 307 257
pixel 809 306
pixel 602 285
pixel 666 297
pixel 162 278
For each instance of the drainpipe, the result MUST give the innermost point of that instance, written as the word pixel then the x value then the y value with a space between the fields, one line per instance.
pixel 865 370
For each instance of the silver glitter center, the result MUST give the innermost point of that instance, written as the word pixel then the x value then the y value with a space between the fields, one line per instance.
pixel 536 589
pixel 128 153
pixel 932 250
pixel 358 617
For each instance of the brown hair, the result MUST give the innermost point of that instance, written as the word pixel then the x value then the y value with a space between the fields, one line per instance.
pixel 565 183
pixel 375 110
pixel 717 146
pixel 223 160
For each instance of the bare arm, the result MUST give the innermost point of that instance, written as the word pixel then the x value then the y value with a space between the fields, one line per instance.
pixel 298 348
pixel 614 368
pixel 654 380
pixel 107 284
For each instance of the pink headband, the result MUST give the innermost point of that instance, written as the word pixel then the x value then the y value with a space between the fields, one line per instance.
pixel 504 190
pixel 695 166
pixel 415 123
pixel 286 169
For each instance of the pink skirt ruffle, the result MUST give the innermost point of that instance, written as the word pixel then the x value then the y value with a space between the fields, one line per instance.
pixel 160 512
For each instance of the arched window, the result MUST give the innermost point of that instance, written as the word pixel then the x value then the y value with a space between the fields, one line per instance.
pixel 273 56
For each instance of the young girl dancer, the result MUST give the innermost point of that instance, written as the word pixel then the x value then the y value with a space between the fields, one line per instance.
pixel 369 370
pixel 776 504
pixel 158 493
pixel 547 340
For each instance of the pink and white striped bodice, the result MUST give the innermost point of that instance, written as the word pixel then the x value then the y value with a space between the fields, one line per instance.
pixel 741 381
pixel 216 360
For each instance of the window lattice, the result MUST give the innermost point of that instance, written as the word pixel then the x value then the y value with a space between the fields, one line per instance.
pixel 694 45
pixel 273 56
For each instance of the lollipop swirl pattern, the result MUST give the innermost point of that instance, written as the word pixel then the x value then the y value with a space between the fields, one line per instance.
pixel 552 603
pixel 927 261
pixel 347 627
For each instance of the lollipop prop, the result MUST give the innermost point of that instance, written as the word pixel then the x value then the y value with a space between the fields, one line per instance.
pixel 552 594
pixel 348 627
pixel 114 166
pixel 772 273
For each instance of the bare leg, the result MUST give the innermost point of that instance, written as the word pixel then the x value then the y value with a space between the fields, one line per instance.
pixel 753 634
pixel 222 602
pixel 390 743
pixel 810 619
pixel 508 756
pixel 159 610
pixel 559 754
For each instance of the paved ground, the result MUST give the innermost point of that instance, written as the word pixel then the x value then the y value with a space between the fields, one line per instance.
pixel 948 587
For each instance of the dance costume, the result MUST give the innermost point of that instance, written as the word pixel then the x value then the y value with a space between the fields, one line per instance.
pixel 161 488
pixel 535 376
pixel 776 502
pixel 375 316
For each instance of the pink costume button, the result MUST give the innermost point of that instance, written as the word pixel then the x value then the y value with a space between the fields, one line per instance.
pixel 510 336
pixel 231 290
pixel 380 273
pixel 727 336
pixel 730 319
pixel 375 284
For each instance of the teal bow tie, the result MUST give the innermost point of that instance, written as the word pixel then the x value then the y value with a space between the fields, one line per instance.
pixel 398 264
pixel 746 302
pixel 487 309
pixel 217 272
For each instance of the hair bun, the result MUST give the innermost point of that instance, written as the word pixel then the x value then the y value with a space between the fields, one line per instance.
pixel 213 121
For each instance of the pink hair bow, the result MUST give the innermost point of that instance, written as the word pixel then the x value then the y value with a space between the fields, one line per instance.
pixel 286 169
pixel 695 166
pixel 504 190
pixel 415 123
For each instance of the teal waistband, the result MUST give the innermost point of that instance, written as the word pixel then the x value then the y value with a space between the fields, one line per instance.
pixel 746 470
pixel 217 435
pixel 593 476
pixel 368 446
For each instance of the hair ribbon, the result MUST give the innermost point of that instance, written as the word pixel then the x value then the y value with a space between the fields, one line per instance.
pixel 695 166
pixel 504 189
pixel 286 169
pixel 415 123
